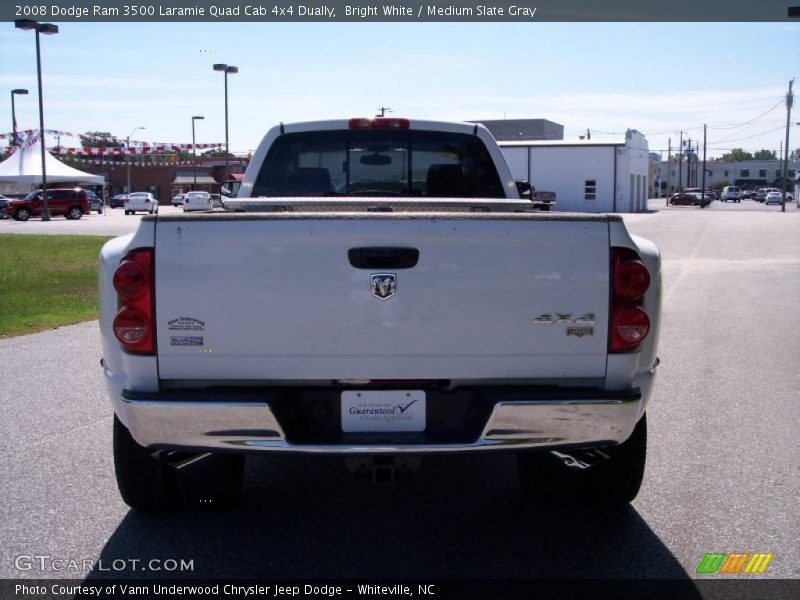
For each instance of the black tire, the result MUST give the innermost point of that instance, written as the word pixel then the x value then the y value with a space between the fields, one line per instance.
pixel 144 483
pixel 22 214
pixel 613 482
pixel 74 213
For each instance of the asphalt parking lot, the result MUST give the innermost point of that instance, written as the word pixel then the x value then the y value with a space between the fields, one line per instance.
pixel 113 221
pixel 722 473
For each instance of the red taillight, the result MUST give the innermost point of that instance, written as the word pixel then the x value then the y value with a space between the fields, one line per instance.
pixel 133 280
pixel 629 323
pixel 379 123
pixel 631 278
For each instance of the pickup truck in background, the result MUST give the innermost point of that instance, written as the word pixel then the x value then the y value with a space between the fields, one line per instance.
pixel 379 290
pixel 543 200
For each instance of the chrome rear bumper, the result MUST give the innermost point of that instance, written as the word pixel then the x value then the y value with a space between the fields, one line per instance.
pixel 251 427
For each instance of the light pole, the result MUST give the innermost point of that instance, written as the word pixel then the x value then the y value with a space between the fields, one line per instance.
pixel 232 70
pixel 194 151
pixel 127 158
pixel 18 92
pixel 47 29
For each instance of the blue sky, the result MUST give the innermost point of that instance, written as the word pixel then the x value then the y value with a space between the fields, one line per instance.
pixel 659 78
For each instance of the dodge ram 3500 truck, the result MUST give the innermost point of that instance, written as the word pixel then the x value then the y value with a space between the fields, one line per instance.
pixel 380 290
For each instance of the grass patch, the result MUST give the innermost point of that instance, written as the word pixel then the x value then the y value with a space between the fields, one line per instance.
pixel 47 281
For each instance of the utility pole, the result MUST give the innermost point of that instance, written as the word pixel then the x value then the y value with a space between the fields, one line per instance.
pixel 703 187
pixel 689 164
pixel 588 134
pixel 680 163
pixel 669 167
pixel 789 99
pixel 384 110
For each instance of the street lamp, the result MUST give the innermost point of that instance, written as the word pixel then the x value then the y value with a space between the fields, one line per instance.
pixel 127 159
pixel 233 70
pixel 18 92
pixel 47 29
pixel 194 151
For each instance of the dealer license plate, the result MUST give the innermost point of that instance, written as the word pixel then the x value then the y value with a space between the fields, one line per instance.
pixel 383 411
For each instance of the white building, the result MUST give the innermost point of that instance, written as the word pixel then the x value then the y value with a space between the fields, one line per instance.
pixel 749 174
pixel 587 176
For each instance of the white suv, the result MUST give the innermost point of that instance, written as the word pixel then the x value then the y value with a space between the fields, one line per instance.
pixel 732 193
pixel 141 201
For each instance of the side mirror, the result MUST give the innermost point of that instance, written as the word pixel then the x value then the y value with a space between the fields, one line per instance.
pixel 525 190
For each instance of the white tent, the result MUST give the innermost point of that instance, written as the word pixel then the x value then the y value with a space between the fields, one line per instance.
pixel 25 166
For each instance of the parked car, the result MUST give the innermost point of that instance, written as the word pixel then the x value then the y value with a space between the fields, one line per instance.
pixel 141 202
pixel 688 199
pixel 118 201
pixel 709 194
pixel 71 203
pixel 3 204
pixel 789 196
pixel 197 201
pixel 95 201
pixel 772 198
pixel 732 193
pixel 177 199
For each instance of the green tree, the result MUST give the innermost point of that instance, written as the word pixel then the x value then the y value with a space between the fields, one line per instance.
pixel 720 184
pixel 100 139
pixel 216 154
pixel 765 155
pixel 736 154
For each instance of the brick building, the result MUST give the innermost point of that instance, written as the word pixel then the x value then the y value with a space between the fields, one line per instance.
pixel 164 181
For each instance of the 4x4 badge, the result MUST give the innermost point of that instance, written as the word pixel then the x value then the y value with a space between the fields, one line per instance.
pixel 551 318
pixel 383 285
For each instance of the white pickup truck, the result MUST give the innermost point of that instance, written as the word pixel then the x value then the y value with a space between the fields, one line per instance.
pixel 379 290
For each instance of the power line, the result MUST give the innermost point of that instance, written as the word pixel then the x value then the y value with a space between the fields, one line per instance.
pixel 736 126
pixel 750 136
pixel 698 127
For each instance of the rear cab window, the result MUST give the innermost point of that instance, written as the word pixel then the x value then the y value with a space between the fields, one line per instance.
pixel 378 163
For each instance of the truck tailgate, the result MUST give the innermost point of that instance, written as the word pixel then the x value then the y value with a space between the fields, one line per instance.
pixel 275 297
